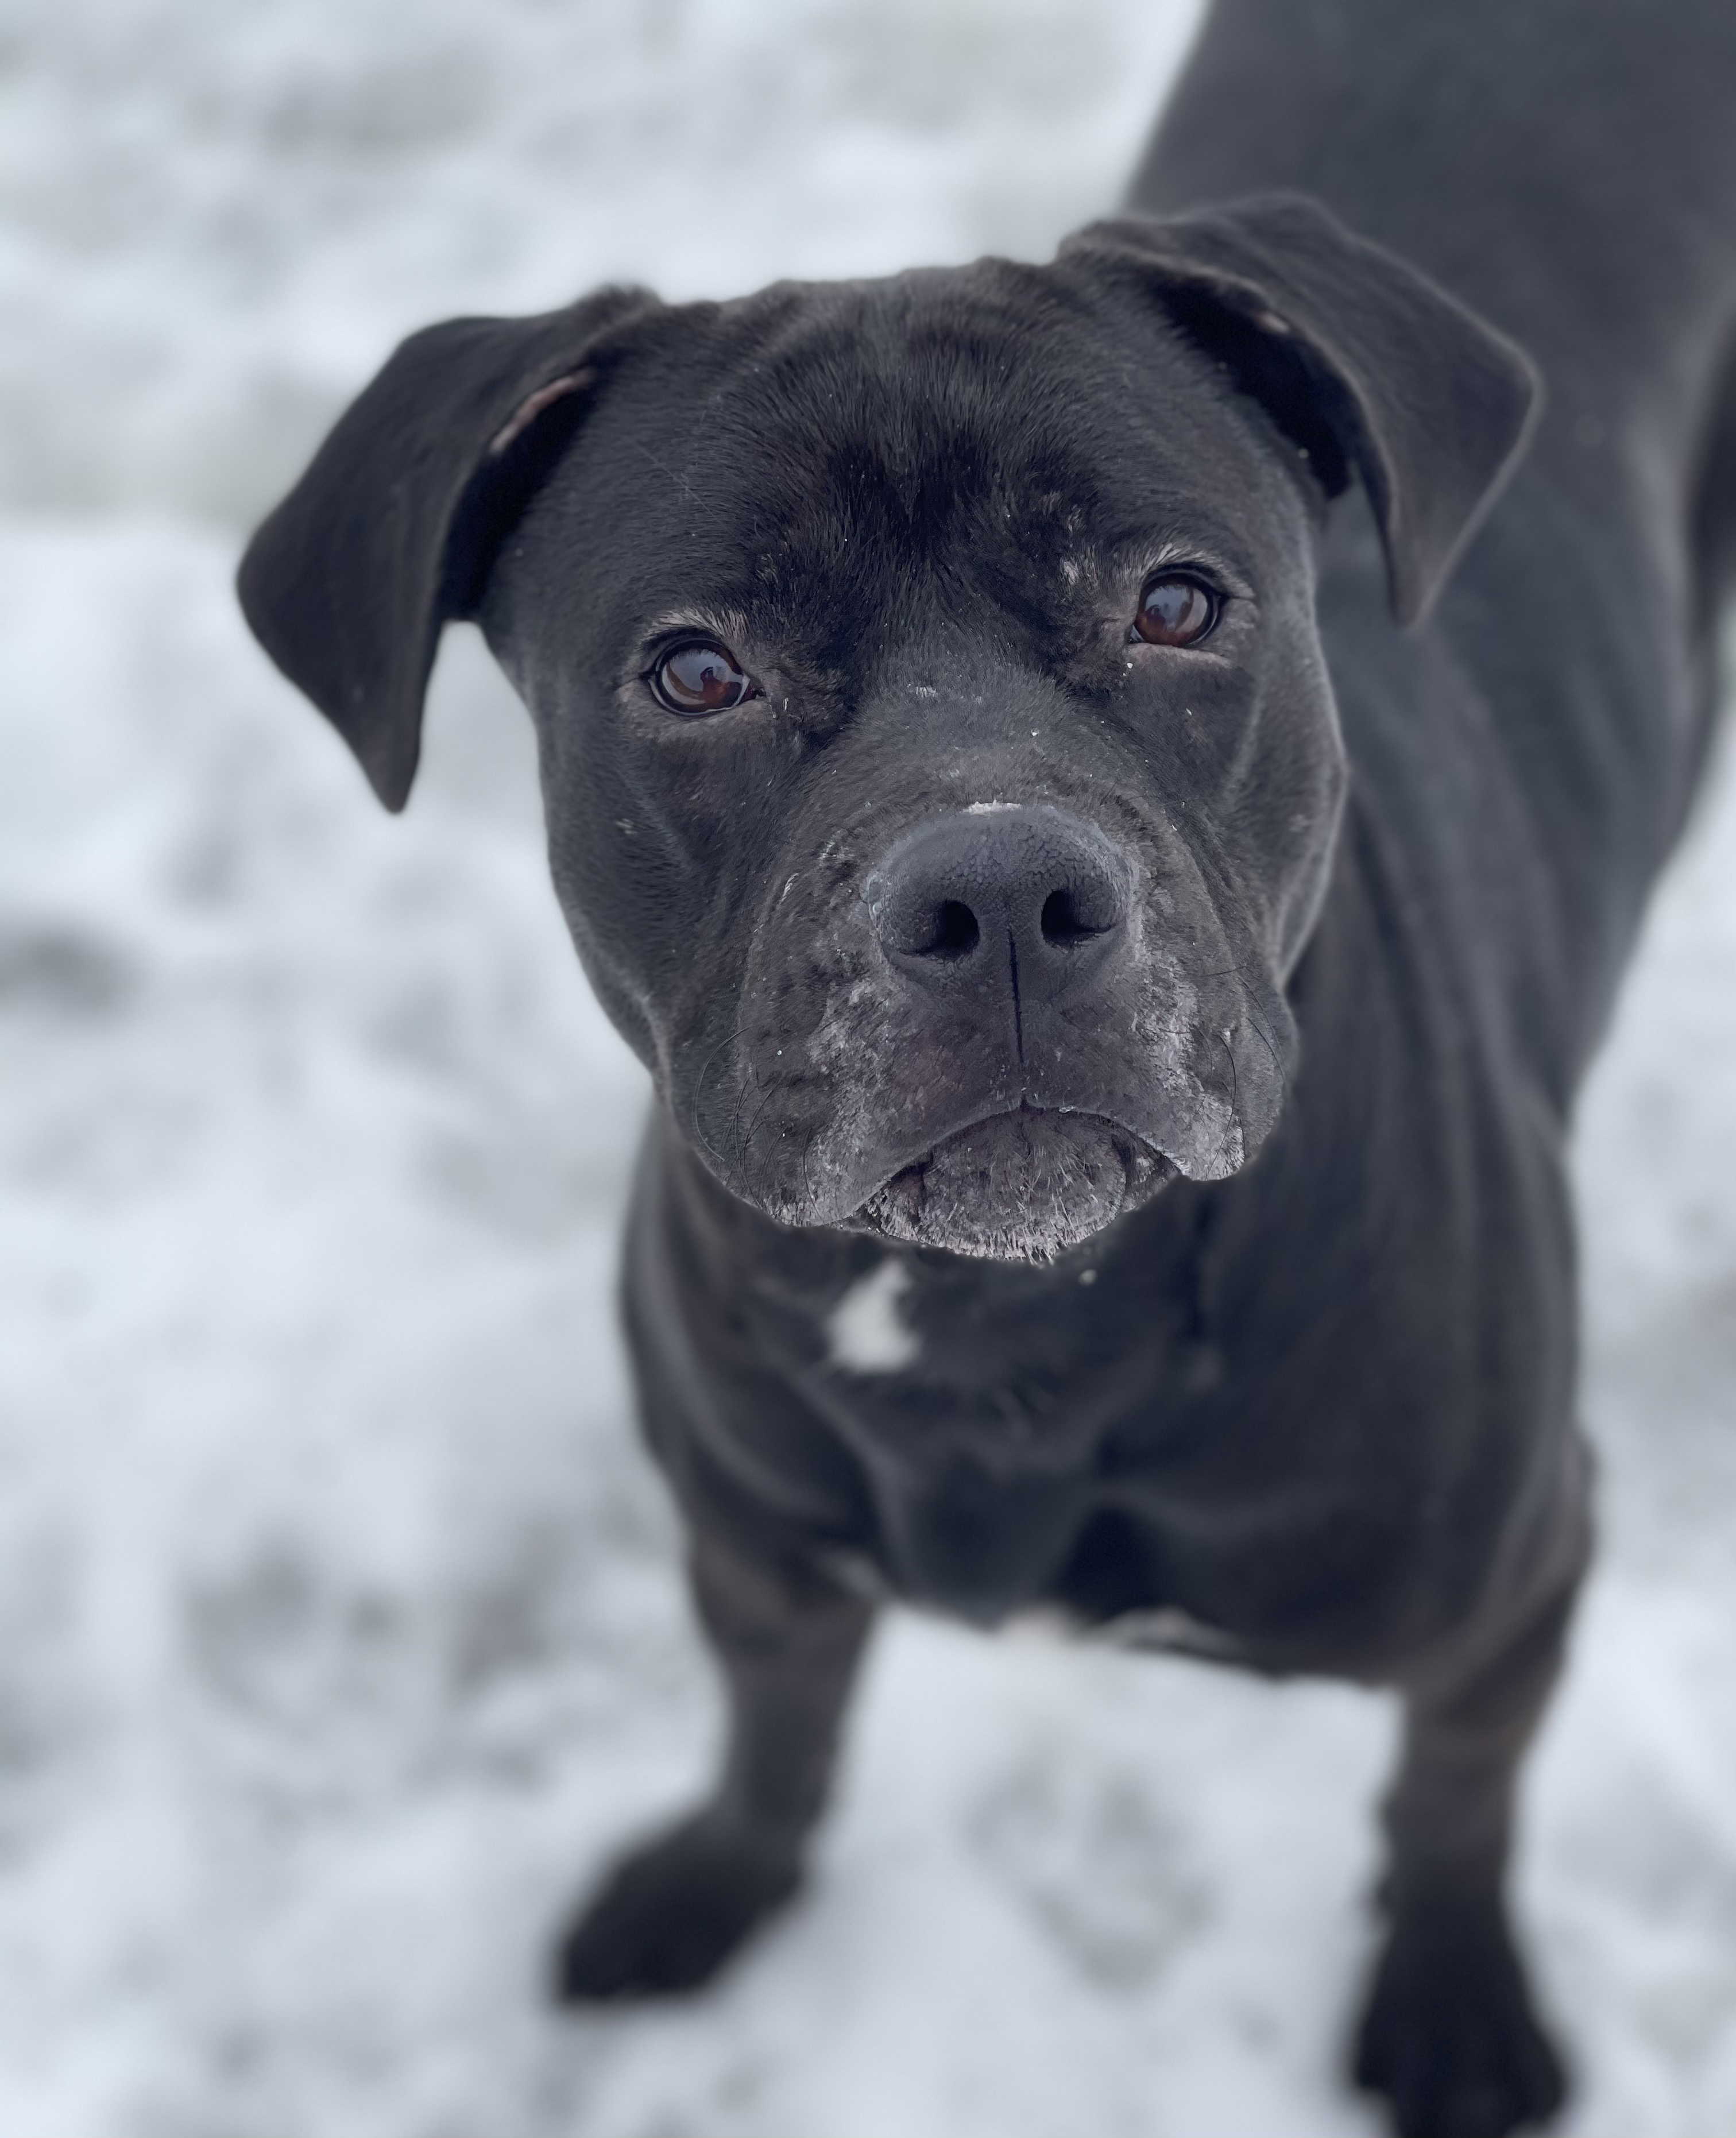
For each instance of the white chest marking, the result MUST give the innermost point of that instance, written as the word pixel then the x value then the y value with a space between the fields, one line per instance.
pixel 864 1330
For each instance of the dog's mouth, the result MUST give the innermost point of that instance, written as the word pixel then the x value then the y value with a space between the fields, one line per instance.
pixel 1023 1187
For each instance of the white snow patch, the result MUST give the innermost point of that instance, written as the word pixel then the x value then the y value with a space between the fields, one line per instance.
pixel 865 1332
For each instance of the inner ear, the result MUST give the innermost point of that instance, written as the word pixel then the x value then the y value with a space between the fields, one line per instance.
pixel 532 406
pixel 517 462
pixel 1266 361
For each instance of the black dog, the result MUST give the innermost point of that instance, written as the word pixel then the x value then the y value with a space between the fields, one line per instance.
pixel 1114 996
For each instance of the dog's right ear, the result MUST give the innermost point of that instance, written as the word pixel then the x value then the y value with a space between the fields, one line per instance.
pixel 390 532
pixel 1370 367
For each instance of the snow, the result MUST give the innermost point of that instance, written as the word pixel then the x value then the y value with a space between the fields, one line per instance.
pixel 340 1638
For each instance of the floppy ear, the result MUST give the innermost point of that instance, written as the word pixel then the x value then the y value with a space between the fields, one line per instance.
pixel 1362 361
pixel 392 529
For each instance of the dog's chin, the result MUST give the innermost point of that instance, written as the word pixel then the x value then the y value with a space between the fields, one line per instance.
pixel 1019 1187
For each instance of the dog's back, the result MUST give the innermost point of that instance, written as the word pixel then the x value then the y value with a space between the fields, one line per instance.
pixel 1564 167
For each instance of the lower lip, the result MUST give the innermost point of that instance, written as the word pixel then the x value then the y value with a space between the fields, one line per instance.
pixel 1018 1196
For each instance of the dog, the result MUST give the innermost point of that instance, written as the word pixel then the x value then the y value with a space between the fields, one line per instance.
pixel 1111 798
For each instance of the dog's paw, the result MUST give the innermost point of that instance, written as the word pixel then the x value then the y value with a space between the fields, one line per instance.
pixel 1449 2036
pixel 671 1914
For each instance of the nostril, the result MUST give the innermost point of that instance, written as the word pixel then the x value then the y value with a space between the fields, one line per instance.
pixel 1023 896
pixel 953 932
pixel 1064 923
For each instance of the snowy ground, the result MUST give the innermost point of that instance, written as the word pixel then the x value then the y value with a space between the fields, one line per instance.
pixel 340 1641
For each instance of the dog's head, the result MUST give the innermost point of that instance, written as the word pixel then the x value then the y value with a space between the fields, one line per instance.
pixel 941 769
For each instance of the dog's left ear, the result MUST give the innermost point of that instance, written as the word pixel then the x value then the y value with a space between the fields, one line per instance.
pixel 390 532
pixel 1363 363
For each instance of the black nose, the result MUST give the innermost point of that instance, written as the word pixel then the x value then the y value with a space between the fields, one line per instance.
pixel 1000 889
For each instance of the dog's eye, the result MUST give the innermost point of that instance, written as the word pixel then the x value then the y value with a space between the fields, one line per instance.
pixel 699 677
pixel 1175 612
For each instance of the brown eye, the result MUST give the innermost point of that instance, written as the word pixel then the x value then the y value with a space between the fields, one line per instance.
pixel 1175 612
pixel 699 677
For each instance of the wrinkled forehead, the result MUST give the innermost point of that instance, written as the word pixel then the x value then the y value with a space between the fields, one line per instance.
pixel 807 442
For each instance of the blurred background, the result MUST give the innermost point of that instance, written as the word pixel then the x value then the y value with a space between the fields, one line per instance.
pixel 340 1638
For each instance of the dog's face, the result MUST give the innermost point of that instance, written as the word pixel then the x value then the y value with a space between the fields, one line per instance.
pixel 940 766
pixel 939 763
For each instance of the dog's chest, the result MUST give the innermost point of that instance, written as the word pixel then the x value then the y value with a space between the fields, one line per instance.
pixel 1087 1449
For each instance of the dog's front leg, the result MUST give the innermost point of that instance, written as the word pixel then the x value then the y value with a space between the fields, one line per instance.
pixel 672 1912
pixel 1450 2035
